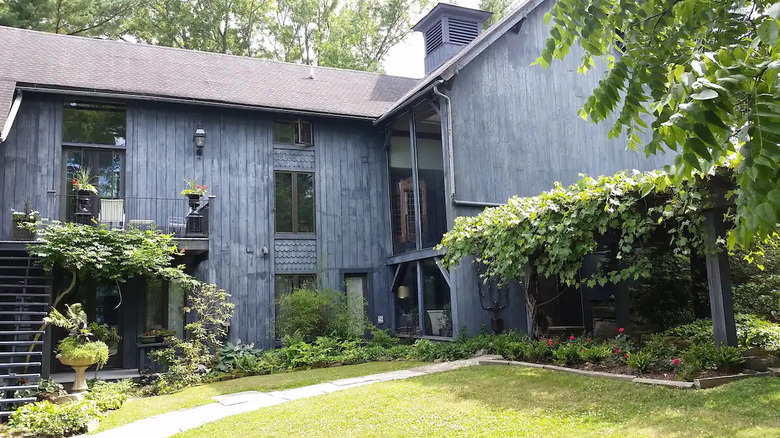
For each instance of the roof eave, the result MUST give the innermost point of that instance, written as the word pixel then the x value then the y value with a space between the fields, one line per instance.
pixel 72 91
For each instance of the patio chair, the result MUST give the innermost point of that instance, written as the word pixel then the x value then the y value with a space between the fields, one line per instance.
pixel 176 225
pixel 112 212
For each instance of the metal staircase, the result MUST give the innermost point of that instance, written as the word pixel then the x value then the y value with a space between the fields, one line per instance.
pixel 25 298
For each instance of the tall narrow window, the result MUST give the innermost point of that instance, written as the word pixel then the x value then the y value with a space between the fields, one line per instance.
pixel 294 202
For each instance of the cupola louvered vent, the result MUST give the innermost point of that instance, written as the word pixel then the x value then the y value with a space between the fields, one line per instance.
pixel 433 37
pixel 462 32
pixel 446 29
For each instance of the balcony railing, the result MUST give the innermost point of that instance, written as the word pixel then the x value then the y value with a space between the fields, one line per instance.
pixel 178 216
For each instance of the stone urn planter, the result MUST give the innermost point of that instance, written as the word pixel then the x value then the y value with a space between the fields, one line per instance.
pixel 84 206
pixel 147 339
pixel 80 366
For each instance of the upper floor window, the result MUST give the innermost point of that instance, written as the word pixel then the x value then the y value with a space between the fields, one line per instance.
pixel 94 123
pixel 294 202
pixel 295 132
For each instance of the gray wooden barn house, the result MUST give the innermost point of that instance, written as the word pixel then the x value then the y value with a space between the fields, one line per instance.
pixel 342 178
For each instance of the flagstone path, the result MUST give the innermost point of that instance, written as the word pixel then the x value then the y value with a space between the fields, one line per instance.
pixel 171 423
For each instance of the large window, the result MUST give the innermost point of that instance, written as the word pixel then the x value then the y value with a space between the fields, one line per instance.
pixel 423 300
pixel 295 132
pixel 106 166
pixel 294 202
pixel 94 123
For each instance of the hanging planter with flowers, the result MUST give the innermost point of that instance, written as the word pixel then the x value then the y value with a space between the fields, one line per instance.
pixel 23 223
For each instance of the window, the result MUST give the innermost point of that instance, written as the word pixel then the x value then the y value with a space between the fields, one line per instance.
pixel 423 300
pixel 287 283
pixel 294 202
pixel 297 132
pixel 94 123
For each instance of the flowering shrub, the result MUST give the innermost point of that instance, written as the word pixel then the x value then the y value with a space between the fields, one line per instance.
pixel 194 188
pixel 82 180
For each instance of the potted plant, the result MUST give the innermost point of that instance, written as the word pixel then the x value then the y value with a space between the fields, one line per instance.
pixel 162 334
pixel 85 190
pixel 79 349
pixel 194 192
pixel 24 222
pixel 149 337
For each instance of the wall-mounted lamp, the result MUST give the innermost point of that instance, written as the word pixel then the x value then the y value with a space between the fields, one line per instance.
pixel 404 292
pixel 200 140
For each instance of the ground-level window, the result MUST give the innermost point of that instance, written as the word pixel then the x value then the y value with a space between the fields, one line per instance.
pixel 287 283
pixel 423 300
pixel 293 202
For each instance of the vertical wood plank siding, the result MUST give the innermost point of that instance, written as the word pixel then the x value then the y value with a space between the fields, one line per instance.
pixel 237 164
pixel 516 131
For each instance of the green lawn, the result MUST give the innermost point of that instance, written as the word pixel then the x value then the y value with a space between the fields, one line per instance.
pixel 137 409
pixel 498 401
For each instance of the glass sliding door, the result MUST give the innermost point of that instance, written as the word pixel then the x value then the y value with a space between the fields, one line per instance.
pixel 106 168
pixel 407 318
pixel 436 300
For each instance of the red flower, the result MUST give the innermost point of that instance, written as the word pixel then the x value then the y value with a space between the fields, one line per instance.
pixel 621 329
pixel 556 342
pixel 582 351
pixel 589 339
pixel 206 186
pixel 626 355
pixel 675 361
pixel 617 351
pixel 571 338
pixel 549 342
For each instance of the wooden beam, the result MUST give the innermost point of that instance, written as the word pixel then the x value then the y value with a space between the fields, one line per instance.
pixel 719 281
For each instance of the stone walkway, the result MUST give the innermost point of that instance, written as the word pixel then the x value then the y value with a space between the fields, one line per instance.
pixel 171 423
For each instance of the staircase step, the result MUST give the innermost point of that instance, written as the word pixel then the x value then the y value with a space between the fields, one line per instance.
pixel 24 295
pixel 20 364
pixel 21 343
pixel 20 286
pixel 20 353
pixel 8 401
pixel 19 376
pixel 17 388
pixel 22 303
pixel 36 323
pixel 23 277
pixel 21 332
pixel 26 312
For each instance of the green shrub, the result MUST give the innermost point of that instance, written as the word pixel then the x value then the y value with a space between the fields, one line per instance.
pixel 47 389
pixel 109 396
pixel 382 339
pixel 660 346
pixel 703 354
pixel 567 353
pixel 752 332
pixel 689 369
pixel 595 353
pixel 96 352
pixel 539 350
pixel 46 420
pixel 640 361
pixel 728 358
pixel 514 350
pixel 231 353
pixel 311 313
pixel 424 350
pixel 106 334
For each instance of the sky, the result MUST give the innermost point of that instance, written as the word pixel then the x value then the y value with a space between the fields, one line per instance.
pixel 406 58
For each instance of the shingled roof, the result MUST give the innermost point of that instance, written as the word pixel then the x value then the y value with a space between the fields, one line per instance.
pixel 47 60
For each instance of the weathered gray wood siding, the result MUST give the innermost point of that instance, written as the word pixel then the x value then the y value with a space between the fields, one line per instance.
pixel 353 223
pixel 516 131
pixel 237 164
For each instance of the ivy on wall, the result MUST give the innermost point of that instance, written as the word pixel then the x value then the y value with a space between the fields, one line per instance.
pixel 551 234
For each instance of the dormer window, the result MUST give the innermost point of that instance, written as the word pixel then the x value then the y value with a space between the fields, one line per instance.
pixel 297 132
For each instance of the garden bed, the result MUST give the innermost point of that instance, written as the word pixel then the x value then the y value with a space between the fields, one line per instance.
pixel 707 379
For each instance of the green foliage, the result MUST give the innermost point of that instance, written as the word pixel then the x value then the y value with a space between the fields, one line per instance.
pixel 46 420
pixel 105 254
pixel 689 370
pixel 96 352
pixel 640 361
pixel 106 334
pixel 72 17
pixel 381 338
pixel 499 8
pixel 230 354
pixel 109 396
pixel 310 313
pixel 82 181
pixel 752 332
pixel 193 188
pixel 189 359
pixel 557 229
pixel 47 389
pixel 728 358
pixel 706 72
pixel 756 279
pixel 595 354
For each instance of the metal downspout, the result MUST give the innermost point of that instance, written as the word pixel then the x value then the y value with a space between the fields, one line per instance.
pixel 456 201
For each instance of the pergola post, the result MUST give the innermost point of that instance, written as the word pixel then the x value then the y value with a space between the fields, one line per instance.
pixel 719 281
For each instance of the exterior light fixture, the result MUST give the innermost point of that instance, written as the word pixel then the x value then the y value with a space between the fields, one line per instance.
pixel 200 140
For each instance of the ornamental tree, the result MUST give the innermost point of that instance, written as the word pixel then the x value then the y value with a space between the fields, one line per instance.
pixel 706 71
